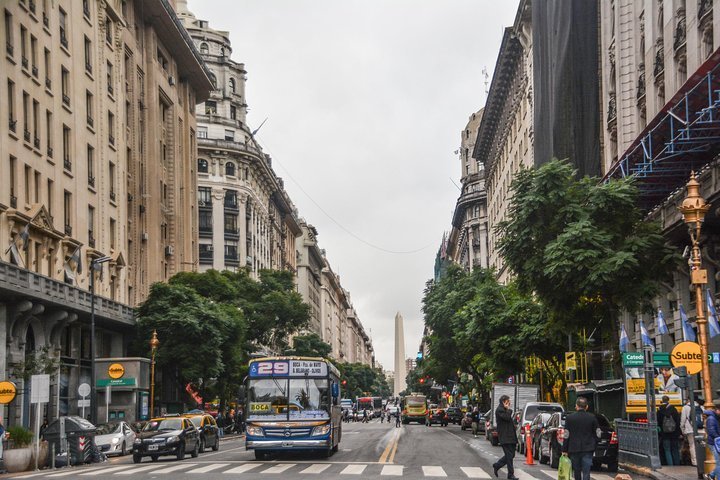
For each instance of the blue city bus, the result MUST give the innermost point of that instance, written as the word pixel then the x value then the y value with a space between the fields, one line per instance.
pixel 292 403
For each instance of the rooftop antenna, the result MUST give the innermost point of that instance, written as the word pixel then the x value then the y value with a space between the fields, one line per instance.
pixel 487 80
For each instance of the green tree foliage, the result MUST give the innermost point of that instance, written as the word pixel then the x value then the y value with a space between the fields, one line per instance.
pixel 583 247
pixel 363 380
pixel 310 345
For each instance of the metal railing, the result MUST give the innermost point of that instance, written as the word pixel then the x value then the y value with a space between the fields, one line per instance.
pixel 638 443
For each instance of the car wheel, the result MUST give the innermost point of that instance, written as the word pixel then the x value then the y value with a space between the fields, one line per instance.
pixel 536 450
pixel 153 458
pixel 216 447
pixel 554 458
pixel 543 458
pixel 123 449
pixel 137 458
pixel 462 428
pixel 202 445
pixel 613 466
pixel 181 452
pixel 196 450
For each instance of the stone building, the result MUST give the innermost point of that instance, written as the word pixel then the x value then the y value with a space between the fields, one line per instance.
pixel 97 161
pixel 246 219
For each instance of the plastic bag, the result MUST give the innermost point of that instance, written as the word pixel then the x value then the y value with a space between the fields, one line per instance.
pixel 565 468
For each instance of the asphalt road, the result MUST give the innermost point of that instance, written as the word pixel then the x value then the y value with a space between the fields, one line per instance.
pixel 374 450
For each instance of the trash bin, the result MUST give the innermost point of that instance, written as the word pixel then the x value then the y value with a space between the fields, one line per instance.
pixel 80 436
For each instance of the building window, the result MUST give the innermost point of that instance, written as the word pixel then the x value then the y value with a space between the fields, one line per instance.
pixel 67 212
pixel 113 231
pixel 230 169
pixel 33 56
pixel 204 48
pixel 202 132
pixel 49 132
pixel 233 112
pixel 91 226
pixel 204 196
pixel 210 107
pixel 23 46
pixel 91 165
pixel 206 251
pixel 11 106
pixel 86 9
pixel 9 34
pixel 26 115
pixel 63 28
pixel 213 80
pixel 232 85
pixel 67 164
pixel 205 220
pixel 231 223
pixel 230 136
pixel 231 199
pixel 111 180
pixel 231 252
pixel 202 166
pixel 108 31
pixel 13 182
pixel 48 81
pixel 110 78
pixel 88 55
pixel 162 59
pixel 65 86
pixel 89 109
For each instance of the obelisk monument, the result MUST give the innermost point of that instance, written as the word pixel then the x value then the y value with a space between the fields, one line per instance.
pixel 400 372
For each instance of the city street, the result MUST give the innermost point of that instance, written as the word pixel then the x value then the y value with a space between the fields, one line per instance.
pixel 371 450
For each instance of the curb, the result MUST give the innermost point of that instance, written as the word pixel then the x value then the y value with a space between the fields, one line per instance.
pixel 645 471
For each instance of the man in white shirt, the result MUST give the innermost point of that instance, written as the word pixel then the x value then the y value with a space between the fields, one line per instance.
pixel 686 427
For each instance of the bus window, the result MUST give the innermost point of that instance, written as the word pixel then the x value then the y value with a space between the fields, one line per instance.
pixel 311 396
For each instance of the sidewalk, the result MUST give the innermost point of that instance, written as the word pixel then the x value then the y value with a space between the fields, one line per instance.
pixel 685 472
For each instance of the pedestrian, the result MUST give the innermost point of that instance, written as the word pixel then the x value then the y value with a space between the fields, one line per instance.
pixel 2 438
pixel 43 426
pixel 397 418
pixel 475 417
pixel 581 433
pixel 712 429
pixel 220 420
pixel 506 437
pixel 365 415
pixel 686 427
pixel 668 420
pixel 382 417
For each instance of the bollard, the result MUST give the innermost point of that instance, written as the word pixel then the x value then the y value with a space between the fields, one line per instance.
pixel 528 448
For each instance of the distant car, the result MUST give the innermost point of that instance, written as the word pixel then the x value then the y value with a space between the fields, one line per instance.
pixel 115 438
pixel 169 435
pixel 466 421
pixel 208 429
pixel 550 443
pixel 525 416
pixel 437 416
pixel 454 414
pixel 392 410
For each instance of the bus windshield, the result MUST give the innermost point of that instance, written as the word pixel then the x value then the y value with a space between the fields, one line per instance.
pixel 284 399
pixel 415 401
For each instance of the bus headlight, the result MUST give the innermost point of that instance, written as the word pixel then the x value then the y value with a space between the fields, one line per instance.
pixel 321 430
pixel 255 431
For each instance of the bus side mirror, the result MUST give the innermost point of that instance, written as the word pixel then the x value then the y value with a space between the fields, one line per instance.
pixel 335 390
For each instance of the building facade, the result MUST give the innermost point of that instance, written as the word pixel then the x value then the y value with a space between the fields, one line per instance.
pixel 246 219
pixel 97 163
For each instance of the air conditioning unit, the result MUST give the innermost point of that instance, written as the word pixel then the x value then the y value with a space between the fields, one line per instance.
pixel 171 80
pixel 169 251
pixel 144 236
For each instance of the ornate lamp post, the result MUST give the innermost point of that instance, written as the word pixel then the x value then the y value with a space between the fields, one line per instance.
pixel 693 209
pixel 95 265
pixel 154 344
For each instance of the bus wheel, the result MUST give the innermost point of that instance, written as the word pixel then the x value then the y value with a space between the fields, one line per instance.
pixel 260 455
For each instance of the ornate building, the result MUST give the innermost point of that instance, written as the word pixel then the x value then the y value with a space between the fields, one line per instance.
pixel 97 163
pixel 246 219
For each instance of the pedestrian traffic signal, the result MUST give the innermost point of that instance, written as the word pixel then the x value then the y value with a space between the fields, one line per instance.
pixel 344 382
pixel 422 380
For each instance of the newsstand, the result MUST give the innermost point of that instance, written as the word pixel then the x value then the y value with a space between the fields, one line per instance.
pixel 79 442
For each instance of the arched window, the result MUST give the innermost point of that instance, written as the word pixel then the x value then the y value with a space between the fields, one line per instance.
pixel 204 48
pixel 202 166
pixel 213 80
pixel 230 169
pixel 232 85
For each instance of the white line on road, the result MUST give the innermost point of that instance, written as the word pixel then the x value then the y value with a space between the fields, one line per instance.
pixel 106 470
pixel 279 468
pixel 433 471
pixel 138 469
pixel 243 468
pixel 209 468
pixel 475 472
pixel 353 470
pixel 316 468
pixel 170 469
pixel 392 470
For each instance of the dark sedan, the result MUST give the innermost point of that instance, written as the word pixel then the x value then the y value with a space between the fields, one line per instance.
pixel 209 436
pixel 166 436
pixel 455 415
pixel 550 443
pixel 437 416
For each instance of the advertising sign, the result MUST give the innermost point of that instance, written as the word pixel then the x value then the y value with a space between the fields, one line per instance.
pixel 687 354
pixel 664 385
pixel 40 388
pixel 116 370
pixel 8 391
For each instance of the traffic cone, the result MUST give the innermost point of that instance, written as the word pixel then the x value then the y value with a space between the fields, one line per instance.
pixel 528 449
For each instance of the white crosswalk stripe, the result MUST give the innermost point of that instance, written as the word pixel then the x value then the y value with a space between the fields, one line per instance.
pixel 94 471
pixel 208 468
pixel 316 468
pixel 244 468
pixel 475 472
pixel 279 468
pixel 433 471
pixel 392 470
pixel 353 470
pixel 174 468
pixel 138 469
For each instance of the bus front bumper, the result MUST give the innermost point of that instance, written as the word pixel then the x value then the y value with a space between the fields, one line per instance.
pixel 280 444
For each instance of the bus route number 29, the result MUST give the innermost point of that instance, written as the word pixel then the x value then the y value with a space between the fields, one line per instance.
pixel 272 368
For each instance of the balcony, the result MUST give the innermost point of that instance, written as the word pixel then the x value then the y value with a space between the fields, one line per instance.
pixel 13 125
pixel 231 204
pixel 91 181
pixel 231 232
pixel 205 231
pixel 67 164
pixel 66 99
pixel 24 62
pixel 26 135
pixel 48 83
pixel 9 48
pixel 68 230
pixel 206 255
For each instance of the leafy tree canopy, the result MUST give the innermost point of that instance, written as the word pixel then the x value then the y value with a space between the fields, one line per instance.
pixel 310 345
pixel 363 380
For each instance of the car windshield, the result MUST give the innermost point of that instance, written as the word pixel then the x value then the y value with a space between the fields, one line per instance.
pixel 165 424
pixel 196 421
pixel 108 428
pixel 532 410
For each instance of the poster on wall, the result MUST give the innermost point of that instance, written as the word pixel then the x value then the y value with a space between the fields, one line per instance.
pixel 664 385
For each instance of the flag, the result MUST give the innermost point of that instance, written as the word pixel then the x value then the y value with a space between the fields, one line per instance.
pixel 713 327
pixel 75 257
pixel 688 332
pixel 98 267
pixel 644 334
pixel 661 325
pixel 25 235
pixel 15 257
pixel 624 340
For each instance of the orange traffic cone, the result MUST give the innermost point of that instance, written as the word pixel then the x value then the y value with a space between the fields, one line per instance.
pixel 528 449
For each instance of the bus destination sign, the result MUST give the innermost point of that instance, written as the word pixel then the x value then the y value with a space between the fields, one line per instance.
pixel 288 368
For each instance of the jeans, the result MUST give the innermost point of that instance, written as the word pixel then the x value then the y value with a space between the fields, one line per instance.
pixel 475 428
pixel 671 446
pixel 581 464
pixel 507 459
pixel 714 473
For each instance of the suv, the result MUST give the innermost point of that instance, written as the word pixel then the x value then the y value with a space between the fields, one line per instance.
pixel 454 415
pixel 208 429
pixel 528 414
pixel 169 435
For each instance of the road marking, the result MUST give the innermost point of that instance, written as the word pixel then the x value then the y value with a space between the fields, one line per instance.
pixel 208 468
pixel 32 475
pixel 279 468
pixel 316 468
pixel 106 470
pixel 243 468
pixel 475 472
pixel 138 469
pixel 391 458
pixel 168 469
pixel 392 470
pixel 433 471
pixel 353 470
pixel 393 439
pixel 524 475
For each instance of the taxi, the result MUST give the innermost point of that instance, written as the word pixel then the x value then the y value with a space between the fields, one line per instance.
pixel 168 435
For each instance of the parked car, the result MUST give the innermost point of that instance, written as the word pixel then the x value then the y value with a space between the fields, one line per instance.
pixel 436 416
pixel 169 435
pixel 525 416
pixel 550 443
pixel 454 415
pixel 208 430
pixel 536 429
pixel 466 421
pixel 115 438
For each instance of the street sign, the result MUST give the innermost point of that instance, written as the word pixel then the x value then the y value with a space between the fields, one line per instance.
pixel 85 402
pixel 714 357
pixel 116 382
pixel 8 390
pixel 636 359
pixel 39 388
pixel 84 389
pixel 687 354
pixel 570 361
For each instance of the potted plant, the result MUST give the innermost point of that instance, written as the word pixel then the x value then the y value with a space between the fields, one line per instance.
pixel 18 455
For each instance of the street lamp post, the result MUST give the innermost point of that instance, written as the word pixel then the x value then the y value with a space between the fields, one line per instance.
pixel 95 264
pixel 154 344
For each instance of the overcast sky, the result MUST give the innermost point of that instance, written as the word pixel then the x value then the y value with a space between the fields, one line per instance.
pixel 365 102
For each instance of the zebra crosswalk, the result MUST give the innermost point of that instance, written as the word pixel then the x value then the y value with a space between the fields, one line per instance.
pixel 268 469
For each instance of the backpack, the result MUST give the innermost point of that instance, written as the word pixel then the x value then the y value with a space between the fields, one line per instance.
pixel 668 424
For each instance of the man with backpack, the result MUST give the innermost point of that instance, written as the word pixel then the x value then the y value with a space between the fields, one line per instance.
pixel 669 422
pixel 686 427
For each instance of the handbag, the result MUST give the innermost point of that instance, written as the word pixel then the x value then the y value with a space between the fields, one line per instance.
pixel 565 468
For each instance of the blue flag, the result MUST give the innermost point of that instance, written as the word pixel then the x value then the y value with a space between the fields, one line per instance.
pixel 713 327
pixel 661 325
pixel 624 340
pixel 644 334
pixel 688 332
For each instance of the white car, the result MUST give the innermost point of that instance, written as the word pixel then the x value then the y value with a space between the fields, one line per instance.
pixel 115 438
pixel 392 410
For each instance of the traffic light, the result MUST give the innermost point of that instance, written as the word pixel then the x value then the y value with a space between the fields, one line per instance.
pixel 422 380
pixel 344 382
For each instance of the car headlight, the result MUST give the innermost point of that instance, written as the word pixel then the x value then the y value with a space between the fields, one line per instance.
pixel 115 441
pixel 137 441
pixel 255 431
pixel 321 430
pixel 173 439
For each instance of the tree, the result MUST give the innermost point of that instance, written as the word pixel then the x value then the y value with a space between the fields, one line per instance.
pixel 310 345
pixel 361 380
